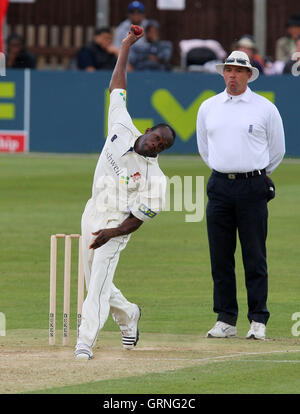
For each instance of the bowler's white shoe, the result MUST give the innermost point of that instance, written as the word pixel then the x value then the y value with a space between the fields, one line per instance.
pixel 257 331
pixel 83 351
pixel 130 332
pixel 222 330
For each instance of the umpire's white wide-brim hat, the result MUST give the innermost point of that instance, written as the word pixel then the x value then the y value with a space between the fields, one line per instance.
pixel 238 58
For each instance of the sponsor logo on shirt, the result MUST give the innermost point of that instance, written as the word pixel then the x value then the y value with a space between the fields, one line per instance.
pixel 112 162
pixel 145 210
pixel 114 138
pixel 135 177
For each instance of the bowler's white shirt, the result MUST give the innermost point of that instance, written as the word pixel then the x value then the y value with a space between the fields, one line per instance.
pixel 240 133
pixel 125 181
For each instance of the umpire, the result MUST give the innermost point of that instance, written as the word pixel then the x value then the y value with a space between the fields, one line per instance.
pixel 241 138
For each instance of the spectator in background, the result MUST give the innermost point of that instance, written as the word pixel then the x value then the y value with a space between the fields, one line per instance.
pixel 286 45
pixel 289 66
pixel 98 54
pixel 154 54
pixel 246 44
pixel 136 15
pixel 17 56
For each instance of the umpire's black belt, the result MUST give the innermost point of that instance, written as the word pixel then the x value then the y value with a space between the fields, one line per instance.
pixel 239 176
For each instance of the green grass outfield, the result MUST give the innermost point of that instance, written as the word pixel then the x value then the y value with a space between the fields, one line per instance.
pixel 165 269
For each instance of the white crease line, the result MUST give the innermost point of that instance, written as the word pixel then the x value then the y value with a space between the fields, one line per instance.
pixel 267 352
pixel 224 356
pixel 215 358
pixel 244 354
pixel 267 360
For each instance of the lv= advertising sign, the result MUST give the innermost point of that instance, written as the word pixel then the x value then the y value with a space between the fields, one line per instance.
pixel 14 110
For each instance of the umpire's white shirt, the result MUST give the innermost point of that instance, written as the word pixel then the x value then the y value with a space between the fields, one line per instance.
pixel 240 133
pixel 124 181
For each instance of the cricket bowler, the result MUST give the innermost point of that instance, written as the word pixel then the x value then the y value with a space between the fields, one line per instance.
pixel 128 190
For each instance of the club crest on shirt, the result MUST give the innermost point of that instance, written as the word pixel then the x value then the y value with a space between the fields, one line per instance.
pixel 135 177
pixel 124 179
pixel 123 94
pixel 114 138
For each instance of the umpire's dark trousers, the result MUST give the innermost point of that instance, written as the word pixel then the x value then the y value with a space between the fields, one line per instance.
pixel 238 206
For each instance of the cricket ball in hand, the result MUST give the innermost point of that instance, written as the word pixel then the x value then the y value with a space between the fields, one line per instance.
pixel 137 30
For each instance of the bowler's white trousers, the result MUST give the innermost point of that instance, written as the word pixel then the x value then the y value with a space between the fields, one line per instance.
pixel 102 295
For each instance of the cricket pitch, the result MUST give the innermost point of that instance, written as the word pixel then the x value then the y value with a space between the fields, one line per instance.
pixel 28 363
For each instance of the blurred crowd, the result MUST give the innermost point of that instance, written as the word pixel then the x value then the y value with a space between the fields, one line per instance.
pixel 153 53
